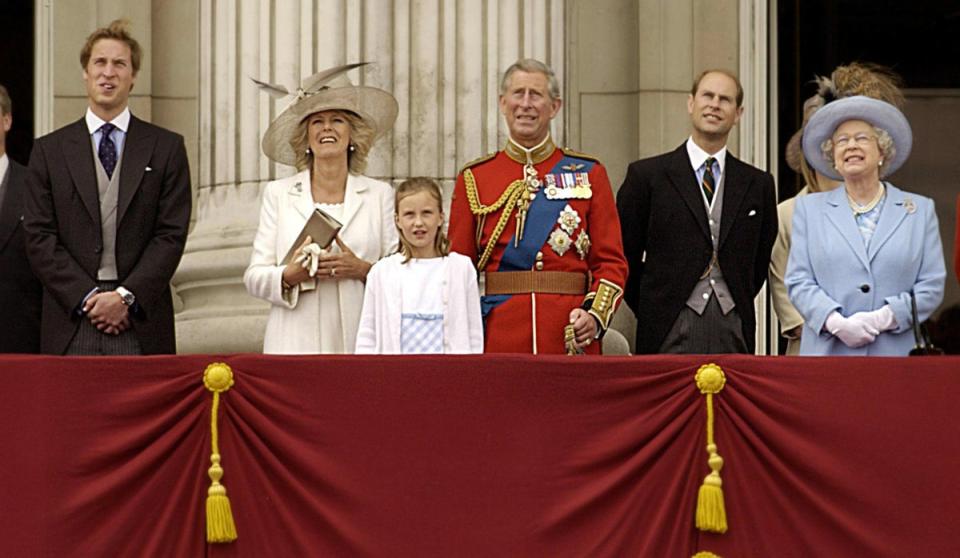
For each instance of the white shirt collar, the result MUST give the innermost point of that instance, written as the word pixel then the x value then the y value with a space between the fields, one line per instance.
pixel 698 156
pixel 94 122
pixel 4 163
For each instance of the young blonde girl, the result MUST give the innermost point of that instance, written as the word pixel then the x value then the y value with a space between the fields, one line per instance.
pixel 423 299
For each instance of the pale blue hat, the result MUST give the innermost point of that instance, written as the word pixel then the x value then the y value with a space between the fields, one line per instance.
pixel 878 113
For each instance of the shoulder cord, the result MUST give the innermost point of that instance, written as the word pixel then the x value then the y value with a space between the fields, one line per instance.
pixel 508 199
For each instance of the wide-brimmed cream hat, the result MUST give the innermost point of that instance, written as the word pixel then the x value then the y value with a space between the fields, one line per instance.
pixel 327 90
pixel 875 112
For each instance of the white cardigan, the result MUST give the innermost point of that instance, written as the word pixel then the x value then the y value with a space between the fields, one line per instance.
pixel 379 331
pixel 293 326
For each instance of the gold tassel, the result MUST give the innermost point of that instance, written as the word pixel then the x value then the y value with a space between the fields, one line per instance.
pixel 218 378
pixel 711 514
pixel 706 554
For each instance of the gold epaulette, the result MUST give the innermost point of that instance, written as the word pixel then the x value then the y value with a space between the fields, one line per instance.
pixel 578 155
pixel 479 160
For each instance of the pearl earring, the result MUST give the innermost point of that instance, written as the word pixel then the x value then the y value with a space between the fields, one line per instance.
pixel 352 148
pixel 881 162
pixel 308 151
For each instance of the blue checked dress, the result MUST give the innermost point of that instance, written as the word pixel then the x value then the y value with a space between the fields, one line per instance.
pixel 421 318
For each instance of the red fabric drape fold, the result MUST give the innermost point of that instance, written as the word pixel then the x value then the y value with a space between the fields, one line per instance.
pixel 478 456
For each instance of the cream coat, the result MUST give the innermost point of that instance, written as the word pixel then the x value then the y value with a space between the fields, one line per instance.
pixel 380 323
pixel 786 313
pixel 293 326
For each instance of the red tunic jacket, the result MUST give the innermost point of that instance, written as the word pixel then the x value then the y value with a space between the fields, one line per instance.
pixel 534 323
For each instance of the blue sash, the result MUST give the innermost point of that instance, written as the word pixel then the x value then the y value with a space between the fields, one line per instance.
pixel 542 216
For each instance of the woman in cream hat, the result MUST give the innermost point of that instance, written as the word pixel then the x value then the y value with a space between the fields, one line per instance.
pixel 861 251
pixel 326 133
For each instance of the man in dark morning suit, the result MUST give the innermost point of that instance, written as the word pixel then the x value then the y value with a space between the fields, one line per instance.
pixel 20 291
pixel 698 226
pixel 107 215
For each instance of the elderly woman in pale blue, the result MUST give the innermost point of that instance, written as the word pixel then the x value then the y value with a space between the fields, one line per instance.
pixel 861 251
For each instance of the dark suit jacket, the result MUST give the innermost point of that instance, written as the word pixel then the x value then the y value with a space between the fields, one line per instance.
pixel 64 240
pixel 666 239
pixel 20 291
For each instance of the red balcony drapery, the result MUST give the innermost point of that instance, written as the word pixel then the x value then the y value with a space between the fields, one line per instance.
pixel 479 456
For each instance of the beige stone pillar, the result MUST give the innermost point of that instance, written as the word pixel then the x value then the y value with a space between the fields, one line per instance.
pixel 442 59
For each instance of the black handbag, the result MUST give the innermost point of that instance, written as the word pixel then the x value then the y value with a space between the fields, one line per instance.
pixel 923 346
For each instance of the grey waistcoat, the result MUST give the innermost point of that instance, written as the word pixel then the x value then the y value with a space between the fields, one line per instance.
pixel 109 190
pixel 712 282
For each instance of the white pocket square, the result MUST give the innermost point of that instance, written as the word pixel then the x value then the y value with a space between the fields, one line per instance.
pixel 148 169
pixel 752 213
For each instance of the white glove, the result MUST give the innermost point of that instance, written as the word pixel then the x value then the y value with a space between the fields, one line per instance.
pixel 854 331
pixel 309 258
pixel 881 319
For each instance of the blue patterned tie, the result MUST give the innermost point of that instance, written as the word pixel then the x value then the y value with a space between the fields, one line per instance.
pixel 108 149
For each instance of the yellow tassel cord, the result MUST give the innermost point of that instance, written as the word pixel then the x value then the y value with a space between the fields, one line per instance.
pixel 711 515
pixel 218 378
pixel 705 554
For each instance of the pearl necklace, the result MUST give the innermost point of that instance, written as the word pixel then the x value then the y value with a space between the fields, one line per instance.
pixel 861 209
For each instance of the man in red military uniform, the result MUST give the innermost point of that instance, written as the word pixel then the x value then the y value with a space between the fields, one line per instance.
pixel 542 227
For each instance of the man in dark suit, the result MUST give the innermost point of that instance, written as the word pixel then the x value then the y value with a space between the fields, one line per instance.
pixel 698 226
pixel 20 291
pixel 107 215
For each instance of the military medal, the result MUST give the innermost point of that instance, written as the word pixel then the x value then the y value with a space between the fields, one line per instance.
pixel 581 186
pixel 569 219
pixel 560 241
pixel 583 244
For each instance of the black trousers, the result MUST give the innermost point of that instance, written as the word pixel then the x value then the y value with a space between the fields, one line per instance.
pixel 709 333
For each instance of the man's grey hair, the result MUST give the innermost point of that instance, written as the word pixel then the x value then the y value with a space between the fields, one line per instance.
pixel 6 105
pixel 531 66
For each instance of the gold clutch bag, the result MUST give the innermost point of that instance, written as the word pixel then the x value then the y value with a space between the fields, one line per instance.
pixel 320 227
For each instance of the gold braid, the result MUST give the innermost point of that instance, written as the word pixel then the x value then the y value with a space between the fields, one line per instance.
pixel 509 199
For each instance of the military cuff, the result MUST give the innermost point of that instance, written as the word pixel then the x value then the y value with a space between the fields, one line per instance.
pixel 602 303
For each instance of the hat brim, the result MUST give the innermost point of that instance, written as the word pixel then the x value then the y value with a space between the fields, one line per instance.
pixel 376 107
pixel 878 113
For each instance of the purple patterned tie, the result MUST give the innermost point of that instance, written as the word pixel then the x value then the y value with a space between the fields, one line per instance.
pixel 108 149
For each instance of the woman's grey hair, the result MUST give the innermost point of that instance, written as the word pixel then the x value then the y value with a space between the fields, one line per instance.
pixel 531 66
pixel 361 138
pixel 887 148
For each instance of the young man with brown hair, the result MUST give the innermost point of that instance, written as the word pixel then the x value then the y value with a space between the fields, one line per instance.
pixel 107 215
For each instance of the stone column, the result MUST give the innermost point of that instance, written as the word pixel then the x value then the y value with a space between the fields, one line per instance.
pixel 442 59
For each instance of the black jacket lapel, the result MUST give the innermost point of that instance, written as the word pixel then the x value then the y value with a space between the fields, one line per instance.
pixel 78 154
pixel 137 148
pixel 684 180
pixel 734 191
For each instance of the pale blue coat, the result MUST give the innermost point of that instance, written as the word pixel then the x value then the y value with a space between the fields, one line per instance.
pixel 829 268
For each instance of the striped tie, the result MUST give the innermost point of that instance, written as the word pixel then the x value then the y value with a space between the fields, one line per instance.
pixel 709 182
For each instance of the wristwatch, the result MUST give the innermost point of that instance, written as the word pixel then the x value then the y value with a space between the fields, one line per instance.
pixel 126 296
